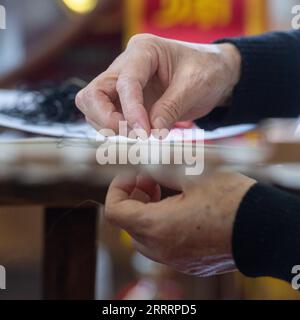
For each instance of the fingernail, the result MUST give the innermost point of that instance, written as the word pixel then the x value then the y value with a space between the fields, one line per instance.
pixel 137 129
pixel 160 123
pixel 137 126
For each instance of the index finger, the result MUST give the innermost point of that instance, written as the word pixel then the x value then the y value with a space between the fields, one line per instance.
pixel 139 69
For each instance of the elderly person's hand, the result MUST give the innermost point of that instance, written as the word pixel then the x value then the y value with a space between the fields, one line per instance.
pixel 157 82
pixel 190 232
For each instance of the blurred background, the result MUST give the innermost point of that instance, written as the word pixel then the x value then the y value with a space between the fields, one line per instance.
pixel 53 40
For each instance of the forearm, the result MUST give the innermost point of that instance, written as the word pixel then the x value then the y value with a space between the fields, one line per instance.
pixel 266 234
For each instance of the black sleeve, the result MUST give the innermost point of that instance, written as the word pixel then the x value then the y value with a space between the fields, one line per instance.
pixel 270 80
pixel 266 233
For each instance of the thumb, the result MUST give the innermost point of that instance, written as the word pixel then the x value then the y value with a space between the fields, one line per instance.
pixel 169 108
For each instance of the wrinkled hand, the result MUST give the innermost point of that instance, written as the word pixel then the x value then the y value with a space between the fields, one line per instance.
pixel 157 82
pixel 190 232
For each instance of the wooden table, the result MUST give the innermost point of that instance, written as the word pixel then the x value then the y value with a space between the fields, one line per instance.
pixel 70 189
pixel 70 233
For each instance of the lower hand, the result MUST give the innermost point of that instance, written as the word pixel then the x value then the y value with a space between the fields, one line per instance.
pixel 190 232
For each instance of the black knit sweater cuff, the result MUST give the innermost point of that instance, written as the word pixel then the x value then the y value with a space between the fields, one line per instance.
pixel 266 234
pixel 270 77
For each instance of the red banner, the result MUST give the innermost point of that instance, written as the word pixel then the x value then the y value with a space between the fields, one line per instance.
pixel 196 20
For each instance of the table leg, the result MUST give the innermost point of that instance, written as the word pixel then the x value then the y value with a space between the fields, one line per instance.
pixel 69 253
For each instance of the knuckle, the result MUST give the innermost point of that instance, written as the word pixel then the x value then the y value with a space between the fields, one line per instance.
pixel 145 45
pixel 87 93
pixel 103 77
pixel 140 39
pixel 172 108
pixel 122 82
pixel 79 98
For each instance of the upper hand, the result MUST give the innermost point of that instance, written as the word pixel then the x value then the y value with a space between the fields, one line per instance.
pixel 156 82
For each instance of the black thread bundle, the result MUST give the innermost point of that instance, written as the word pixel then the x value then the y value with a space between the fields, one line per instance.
pixel 49 104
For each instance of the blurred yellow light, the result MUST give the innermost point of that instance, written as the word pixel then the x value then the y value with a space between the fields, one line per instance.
pixel 81 6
